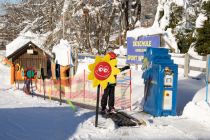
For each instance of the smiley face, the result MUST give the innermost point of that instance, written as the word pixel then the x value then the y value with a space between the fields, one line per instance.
pixel 102 70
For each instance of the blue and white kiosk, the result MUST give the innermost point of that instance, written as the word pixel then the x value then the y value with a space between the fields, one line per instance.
pixel 160 78
pixel 160 74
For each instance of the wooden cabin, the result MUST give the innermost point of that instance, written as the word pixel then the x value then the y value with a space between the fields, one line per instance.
pixel 27 56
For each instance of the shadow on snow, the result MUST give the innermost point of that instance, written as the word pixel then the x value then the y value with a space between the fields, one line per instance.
pixel 187 88
pixel 52 123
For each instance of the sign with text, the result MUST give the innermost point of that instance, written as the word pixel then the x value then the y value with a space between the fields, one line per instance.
pixel 136 48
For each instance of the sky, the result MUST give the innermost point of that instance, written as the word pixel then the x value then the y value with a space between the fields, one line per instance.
pixel 10 1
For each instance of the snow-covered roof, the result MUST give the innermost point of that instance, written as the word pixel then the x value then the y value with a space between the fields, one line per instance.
pixel 143 32
pixel 63 53
pixel 25 38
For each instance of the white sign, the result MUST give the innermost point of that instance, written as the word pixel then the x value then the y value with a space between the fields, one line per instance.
pixel 167 100
pixel 30 51
pixel 168 80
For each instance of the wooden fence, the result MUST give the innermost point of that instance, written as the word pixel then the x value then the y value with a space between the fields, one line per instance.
pixel 189 63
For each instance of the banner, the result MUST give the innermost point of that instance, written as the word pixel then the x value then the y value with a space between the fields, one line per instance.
pixel 136 48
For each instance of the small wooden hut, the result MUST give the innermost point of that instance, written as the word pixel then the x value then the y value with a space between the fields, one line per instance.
pixel 25 52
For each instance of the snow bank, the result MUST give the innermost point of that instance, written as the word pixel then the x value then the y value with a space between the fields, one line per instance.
pixel 2 55
pixel 63 53
pixel 121 51
pixel 198 109
pixel 2 52
pixel 83 65
pixel 5 76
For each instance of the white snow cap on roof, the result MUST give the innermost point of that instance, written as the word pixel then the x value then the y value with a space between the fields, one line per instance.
pixel 23 39
pixel 63 53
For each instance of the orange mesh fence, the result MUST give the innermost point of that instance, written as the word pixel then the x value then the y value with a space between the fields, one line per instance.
pixel 79 89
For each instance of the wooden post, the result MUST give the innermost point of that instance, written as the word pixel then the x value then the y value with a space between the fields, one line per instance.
pixel 186 64
pixel 60 90
pixel 208 68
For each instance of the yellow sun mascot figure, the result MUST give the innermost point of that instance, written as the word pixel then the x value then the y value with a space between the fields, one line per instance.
pixel 103 71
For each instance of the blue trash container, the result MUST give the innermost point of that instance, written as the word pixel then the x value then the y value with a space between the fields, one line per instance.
pixel 160 78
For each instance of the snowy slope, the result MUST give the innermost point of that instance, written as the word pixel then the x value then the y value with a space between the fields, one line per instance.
pixel 187 126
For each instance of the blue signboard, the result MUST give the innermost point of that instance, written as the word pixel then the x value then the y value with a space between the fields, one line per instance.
pixel 136 48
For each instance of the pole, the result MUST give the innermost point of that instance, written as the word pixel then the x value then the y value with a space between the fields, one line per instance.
pixel 97 105
pixel 186 64
pixel 207 86
pixel 50 88
pixel 208 68
pixel 31 83
pixel 207 76
pixel 60 90
pixel 44 88
pixel 15 76
pixel 130 90
pixel 40 78
pixel 70 85
pixel 32 92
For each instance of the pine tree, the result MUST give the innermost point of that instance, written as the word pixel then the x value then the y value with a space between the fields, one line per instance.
pixel 184 39
pixel 175 16
pixel 202 45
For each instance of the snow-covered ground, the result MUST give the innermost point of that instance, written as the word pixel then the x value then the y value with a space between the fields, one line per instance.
pixel 23 117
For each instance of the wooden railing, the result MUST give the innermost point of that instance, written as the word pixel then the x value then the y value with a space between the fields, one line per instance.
pixel 189 63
